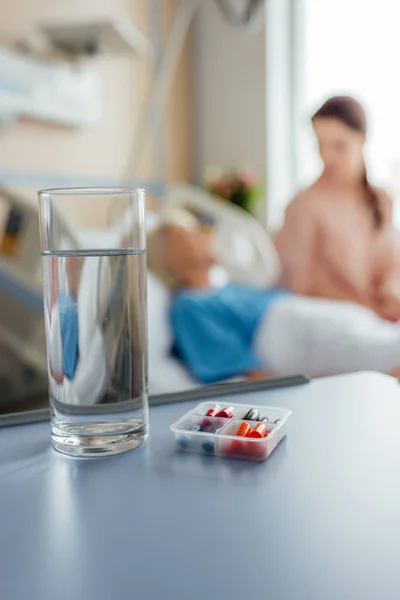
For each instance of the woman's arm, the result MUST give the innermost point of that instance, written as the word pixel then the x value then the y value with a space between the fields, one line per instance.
pixel 347 277
pixel 386 282
pixel 296 244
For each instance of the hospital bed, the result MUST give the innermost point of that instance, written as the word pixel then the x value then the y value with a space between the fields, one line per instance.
pixel 244 252
pixel 241 246
pixel 246 255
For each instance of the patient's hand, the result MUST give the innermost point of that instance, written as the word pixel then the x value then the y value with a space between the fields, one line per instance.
pixel 256 375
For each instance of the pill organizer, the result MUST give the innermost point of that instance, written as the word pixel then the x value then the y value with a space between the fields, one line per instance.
pixel 216 435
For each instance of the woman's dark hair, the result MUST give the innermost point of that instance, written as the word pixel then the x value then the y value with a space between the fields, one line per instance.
pixel 350 112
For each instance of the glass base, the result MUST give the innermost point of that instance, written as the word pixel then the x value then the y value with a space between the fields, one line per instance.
pixel 84 445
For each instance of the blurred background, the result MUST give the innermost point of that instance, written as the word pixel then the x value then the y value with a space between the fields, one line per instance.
pixel 159 92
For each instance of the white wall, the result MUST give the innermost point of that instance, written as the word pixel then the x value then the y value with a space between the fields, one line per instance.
pixel 44 154
pixel 229 95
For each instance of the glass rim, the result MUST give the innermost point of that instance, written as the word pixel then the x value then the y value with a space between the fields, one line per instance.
pixel 90 191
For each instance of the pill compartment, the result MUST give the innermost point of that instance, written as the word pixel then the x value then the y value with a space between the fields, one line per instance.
pixel 238 413
pixel 234 446
pixel 224 442
pixel 204 441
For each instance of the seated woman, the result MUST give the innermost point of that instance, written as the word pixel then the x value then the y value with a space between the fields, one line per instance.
pixel 222 332
pixel 337 240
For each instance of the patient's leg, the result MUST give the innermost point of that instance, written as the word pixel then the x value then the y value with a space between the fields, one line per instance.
pixel 322 337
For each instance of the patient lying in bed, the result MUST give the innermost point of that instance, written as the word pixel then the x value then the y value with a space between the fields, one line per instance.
pixel 234 330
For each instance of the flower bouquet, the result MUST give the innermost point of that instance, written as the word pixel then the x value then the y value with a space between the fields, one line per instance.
pixel 238 187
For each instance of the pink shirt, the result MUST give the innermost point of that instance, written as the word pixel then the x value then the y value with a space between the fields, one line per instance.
pixel 329 248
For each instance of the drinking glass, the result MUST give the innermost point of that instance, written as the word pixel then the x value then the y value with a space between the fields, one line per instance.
pixel 93 246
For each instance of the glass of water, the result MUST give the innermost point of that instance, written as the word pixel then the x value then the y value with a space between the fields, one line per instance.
pixel 93 244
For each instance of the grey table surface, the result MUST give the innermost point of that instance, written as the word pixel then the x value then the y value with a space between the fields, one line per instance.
pixel 320 519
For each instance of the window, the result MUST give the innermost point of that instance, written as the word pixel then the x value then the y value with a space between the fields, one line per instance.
pixel 280 106
pixel 351 47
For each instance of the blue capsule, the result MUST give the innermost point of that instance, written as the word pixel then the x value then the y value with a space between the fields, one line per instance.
pixel 208 446
pixel 183 442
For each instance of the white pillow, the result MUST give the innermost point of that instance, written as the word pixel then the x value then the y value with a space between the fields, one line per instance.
pixel 166 373
pixel 159 329
pixel 241 245
pixel 152 221
pixel 169 375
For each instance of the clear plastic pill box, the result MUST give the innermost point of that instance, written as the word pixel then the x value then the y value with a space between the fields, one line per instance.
pixel 205 433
